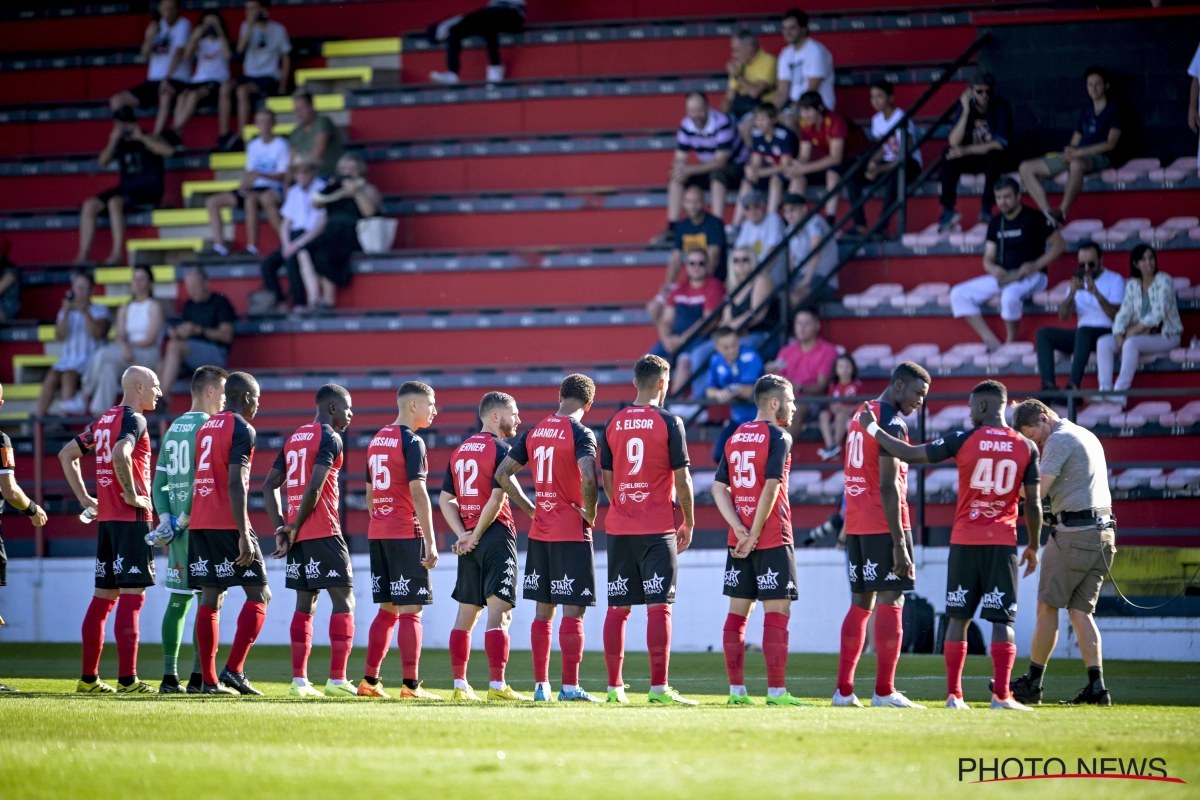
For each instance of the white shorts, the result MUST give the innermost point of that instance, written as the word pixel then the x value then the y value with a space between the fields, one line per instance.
pixel 967 297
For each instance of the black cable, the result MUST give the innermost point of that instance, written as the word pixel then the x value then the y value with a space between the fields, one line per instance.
pixel 1182 592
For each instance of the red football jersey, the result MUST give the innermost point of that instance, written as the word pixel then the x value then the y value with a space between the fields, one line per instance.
pixel 864 505
pixel 395 457
pixel 225 439
pixel 642 446
pixel 756 453
pixel 555 446
pixel 119 422
pixel 312 445
pixel 993 465
pixel 471 477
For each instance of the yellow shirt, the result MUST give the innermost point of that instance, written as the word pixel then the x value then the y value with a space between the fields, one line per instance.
pixel 761 69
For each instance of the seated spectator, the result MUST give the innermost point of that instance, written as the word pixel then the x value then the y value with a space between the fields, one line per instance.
pixel 752 73
pixel 830 144
pixel 168 71
pixel 687 306
pixel 806 361
pixel 805 265
pixel 315 137
pixel 697 229
pixel 203 335
pixel 1094 299
pixel 265 49
pixel 978 143
pixel 886 125
pixel 139 156
pixel 499 16
pixel 760 231
pixel 345 200
pixel 82 327
pixel 720 157
pixel 301 222
pixel 1090 149
pixel 835 417
pixel 267 160
pixel 140 328
pixel 732 371
pixel 804 65
pixel 10 284
pixel 1147 322
pixel 772 149
pixel 209 46
pixel 1015 258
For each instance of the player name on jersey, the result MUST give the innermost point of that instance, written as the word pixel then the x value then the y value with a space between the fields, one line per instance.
pixel 642 446
pixel 117 424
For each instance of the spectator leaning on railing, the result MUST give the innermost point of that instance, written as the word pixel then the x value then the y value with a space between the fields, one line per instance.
pixel 82 327
pixel 140 328
pixel 346 199
pixel 267 159
pixel 720 157
pixel 804 65
pixel 751 73
pixel 978 142
pixel 265 49
pixel 209 46
pixel 168 71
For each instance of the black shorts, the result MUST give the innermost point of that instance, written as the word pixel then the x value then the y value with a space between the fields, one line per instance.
pixel 731 175
pixel 123 559
pixel 134 200
pixel 488 570
pixel 3 564
pixel 982 574
pixel 642 569
pixel 871 563
pixel 768 574
pixel 213 87
pixel 146 92
pixel 257 192
pixel 266 85
pixel 545 561
pixel 211 561
pixel 397 575
pixel 319 564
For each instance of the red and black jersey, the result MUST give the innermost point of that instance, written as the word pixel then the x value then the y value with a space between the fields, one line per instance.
pixel 119 422
pixel 313 445
pixel 642 446
pixel 395 458
pixel 756 453
pixel 555 446
pixel 225 440
pixel 993 465
pixel 8 463
pixel 864 504
pixel 471 477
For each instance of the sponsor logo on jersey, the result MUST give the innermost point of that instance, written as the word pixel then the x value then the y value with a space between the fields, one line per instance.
pixel 333 573
pixel 312 570
pixel 654 585
pixel 198 568
pixel 118 565
pixel 547 505
pixel 994 599
pixel 249 574
pixel 957 597
pixel 100 568
pixel 422 592
pixel 636 497
pixel 731 577
pixel 586 593
pixel 853 573
pixel 174 574
pixel 104 481
pixel 293 570
pixel 869 570
pixel 375 583
pixel 618 587
pixel 854 489
pixel 531 582
pixel 768 580
pixel 134 571
pixel 225 569
pixel 383 511
pixel 563 586
pixel 400 587
pixel 204 491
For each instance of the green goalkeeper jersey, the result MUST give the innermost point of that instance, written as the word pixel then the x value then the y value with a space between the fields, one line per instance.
pixel 173 474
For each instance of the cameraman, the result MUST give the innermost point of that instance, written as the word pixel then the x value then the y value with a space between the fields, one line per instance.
pixel 1081 547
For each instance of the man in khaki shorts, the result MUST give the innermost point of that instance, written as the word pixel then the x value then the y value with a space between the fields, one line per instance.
pixel 1074 478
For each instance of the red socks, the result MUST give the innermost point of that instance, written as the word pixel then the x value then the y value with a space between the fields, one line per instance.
pixel 495 643
pixel 250 624
pixel 92 634
pixel 956 657
pixel 380 639
pixel 854 635
pixel 129 609
pixel 302 632
pixel 775 648
pixel 539 638
pixel 658 642
pixel 1003 656
pixel 460 653
pixel 570 642
pixel 734 640
pixel 889 634
pixel 410 644
pixel 614 643
pixel 206 638
pixel 341 639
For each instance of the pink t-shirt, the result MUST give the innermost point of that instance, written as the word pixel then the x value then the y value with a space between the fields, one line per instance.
pixel 801 367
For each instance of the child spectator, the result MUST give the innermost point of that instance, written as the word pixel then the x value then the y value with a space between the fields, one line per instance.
pixel 834 418
pixel 82 327
pixel 732 371
pixel 265 49
pixel 267 159
pixel 772 149
pixel 209 46
pixel 168 71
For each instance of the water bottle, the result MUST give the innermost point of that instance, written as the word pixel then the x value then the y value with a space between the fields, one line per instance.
pixel 89 516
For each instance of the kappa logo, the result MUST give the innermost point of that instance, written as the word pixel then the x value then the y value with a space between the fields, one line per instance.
pixel 531 582
pixel 507 581
pixel 333 573
pixel 654 585
pixel 958 597
pixel 292 570
pixel 199 568
pixel 118 565
pixel 204 491
pixel 104 481
pixel 422 592
pixel 312 570
pixel 586 593
pixel 994 599
pixel 135 571
pixel 618 587
pixel 791 585
pixel 249 574
pixel 854 490
pixel 504 590
pixel 510 563
pixel 100 568
pixel 563 586
pixel 731 577
pixel 400 587
pixel 375 583
pixel 768 581
pixel 547 505
pixel 869 570
pixel 226 569
pixel 891 576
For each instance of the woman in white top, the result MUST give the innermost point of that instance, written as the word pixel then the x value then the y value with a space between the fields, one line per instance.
pixel 140 327
pixel 209 45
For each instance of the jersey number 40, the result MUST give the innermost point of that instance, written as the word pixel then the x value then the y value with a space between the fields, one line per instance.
pixel 999 477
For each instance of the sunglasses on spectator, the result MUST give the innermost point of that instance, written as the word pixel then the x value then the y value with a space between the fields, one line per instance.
pixel 1089 264
pixel 697 263
pixel 982 92
pixel 741 260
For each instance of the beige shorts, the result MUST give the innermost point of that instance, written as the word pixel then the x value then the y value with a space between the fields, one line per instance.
pixel 1074 564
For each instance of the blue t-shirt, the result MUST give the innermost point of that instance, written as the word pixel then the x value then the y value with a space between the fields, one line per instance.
pixel 745 371
pixel 1093 128
pixel 782 143
pixel 709 233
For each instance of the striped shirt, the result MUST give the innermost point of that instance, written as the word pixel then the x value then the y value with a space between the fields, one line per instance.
pixel 718 133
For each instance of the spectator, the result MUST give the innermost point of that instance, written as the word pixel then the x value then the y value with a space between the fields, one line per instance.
pixel 720 157
pixel 751 73
pixel 209 46
pixel 168 71
pixel 1015 257
pixel 829 144
pixel 139 158
pixel 805 265
pixel 267 159
pixel 140 328
pixel 81 327
pixel 687 306
pixel 886 125
pixel 835 417
pixel 266 50
pixel 1146 324
pixel 760 232
pixel 697 229
pixel 1095 138
pixel 805 65
pixel 204 334
pixel 978 143
pixel 732 371
pixel 315 137
pixel 1094 299
pixel 10 284
pixel 500 16
pixel 806 361
pixel 772 148
pixel 345 200
pixel 301 223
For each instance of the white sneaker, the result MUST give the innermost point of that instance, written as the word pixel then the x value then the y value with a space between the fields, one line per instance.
pixel 840 701
pixel 443 77
pixel 74 407
pixel 1008 704
pixel 495 74
pixel 893 700
pixel 957 703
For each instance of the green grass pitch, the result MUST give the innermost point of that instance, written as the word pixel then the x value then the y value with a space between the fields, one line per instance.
pixel 56 744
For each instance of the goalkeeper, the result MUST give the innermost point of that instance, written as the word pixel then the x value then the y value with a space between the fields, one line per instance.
pixel 172 495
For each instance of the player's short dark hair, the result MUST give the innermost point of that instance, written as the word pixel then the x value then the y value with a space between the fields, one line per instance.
pixel 239 384
pixel 1096 69
pixel 885 86
pixel 769 386
pixel 649 370
pixel 207 376
pixel 1005 182
pixel 494 400
pixel 579 387
pixel 907 372
pixel 766 108
pixel 797 15
pixel 722 332
pixel 1088 244
pixel 811 100
pixel 331 392
pixel 1026 414
pixel 414 387
pixel 992 389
